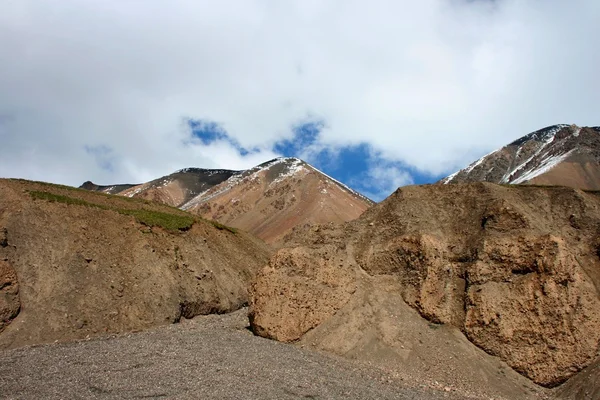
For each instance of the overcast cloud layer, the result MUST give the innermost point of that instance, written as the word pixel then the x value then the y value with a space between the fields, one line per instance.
pixel 102 90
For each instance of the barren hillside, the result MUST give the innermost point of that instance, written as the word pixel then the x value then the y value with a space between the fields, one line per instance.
pixel 174 190
pixel 273 198
pixel 75 263
pixel 452 273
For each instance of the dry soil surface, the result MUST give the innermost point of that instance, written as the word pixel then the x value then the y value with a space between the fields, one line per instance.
pixel 208 357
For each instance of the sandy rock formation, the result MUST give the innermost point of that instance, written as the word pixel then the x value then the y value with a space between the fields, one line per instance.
pixel 515 269
pixel 86 266
pixel 313 293
pixel 9 294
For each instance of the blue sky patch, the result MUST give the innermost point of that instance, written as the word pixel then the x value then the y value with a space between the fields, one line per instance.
pixel 209 132
pixel 358 166
pixel 103 155
pixel 305 135
pixel 364 170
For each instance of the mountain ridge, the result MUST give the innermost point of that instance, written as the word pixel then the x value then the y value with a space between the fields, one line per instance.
pixel 566 155
pixel 268 200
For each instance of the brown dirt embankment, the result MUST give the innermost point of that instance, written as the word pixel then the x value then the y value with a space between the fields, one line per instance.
pixel 75 263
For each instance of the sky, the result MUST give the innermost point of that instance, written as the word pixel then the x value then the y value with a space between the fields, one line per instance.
pixel 377 94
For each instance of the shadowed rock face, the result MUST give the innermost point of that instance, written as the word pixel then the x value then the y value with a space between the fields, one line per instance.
pixel 516 269
pixel 10 303
pixel 557 155
pixel 583 386
pixel 174 190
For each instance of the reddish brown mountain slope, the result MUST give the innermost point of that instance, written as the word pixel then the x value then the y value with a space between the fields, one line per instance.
pixel 558 155
pixel 273 198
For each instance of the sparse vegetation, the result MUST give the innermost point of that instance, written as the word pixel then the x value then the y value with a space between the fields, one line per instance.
pixel 173 221
pixel 52 197
pixel 221 227
pixel 591 191
pixel 168 221
pixel 530 185
pixel 81 191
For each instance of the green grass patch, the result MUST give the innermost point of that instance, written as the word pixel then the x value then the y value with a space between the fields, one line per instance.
pixel 172 222
pixel 176 220
pixel 222 227
pixel 82 191
pixel 58 198
pixel 47 184
pixel 151 218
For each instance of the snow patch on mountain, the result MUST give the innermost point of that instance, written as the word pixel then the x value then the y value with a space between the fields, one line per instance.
pixel 478 162
pixel 449 178
pixel 470 168
pixel 293 167
pixel 135 191
pixel 206 195
pixel 540 135
pixel 540 147
pixel 545 166
pixel 245 176
pixel 509 174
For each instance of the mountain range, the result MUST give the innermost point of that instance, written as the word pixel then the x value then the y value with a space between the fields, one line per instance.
pixel 268 200
pixel 564 155
pixel 485 285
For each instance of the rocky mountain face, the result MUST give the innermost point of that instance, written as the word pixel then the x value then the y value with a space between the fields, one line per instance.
pixel 174 190
pixel 565 155
pixel 105 189
pixel 268 200
pixel 273 198
pixel 75 264
pixel 512 271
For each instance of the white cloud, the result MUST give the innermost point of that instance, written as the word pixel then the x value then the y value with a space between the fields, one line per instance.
pixel 381 180
pixel 433 83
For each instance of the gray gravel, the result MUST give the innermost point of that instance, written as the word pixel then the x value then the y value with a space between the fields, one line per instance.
pixel 211 357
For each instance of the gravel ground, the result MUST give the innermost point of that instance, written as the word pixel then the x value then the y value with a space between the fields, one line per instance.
pixel 213 357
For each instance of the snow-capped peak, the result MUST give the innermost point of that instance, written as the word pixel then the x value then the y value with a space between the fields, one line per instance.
pixel 525 158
